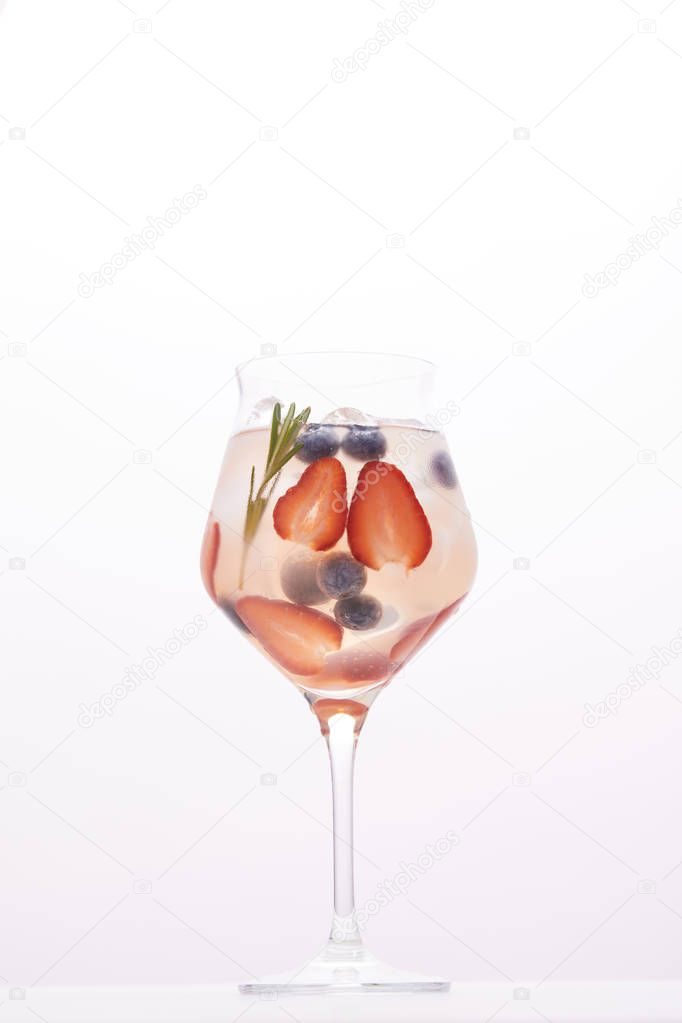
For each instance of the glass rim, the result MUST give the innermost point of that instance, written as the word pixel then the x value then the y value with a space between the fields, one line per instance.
pixel 427 366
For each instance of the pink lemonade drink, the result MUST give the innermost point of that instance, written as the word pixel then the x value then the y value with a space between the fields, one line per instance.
pixel 358 550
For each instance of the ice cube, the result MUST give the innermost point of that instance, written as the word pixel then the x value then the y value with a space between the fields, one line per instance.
pixel 410 424
pixel 261 413
pixel 349 417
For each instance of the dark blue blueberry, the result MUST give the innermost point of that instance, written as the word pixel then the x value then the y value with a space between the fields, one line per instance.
pixel 298 579
pixel 364 442
pixel 443 471
pixel 340 575
pixel 359 612
pixel 318 442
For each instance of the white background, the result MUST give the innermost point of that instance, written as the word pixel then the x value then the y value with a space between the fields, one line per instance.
pixel 293 246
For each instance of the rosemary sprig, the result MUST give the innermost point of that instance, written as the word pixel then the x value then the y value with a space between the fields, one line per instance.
pixel 282 447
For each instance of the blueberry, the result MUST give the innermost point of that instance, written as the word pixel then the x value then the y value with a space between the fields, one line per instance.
pixel 443 470
pixel 364 442
pixel 298 579
pixel 359 612
pixel 318 442
pixel 340 575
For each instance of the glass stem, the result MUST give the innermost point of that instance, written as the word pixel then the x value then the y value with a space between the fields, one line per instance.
pixel 345 940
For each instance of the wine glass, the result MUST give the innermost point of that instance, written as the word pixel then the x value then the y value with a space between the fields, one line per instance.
pixel 339 542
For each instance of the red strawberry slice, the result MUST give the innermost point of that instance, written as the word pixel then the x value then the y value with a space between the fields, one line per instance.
pixel 411 638
pixel 441 618
pixel 359 666
pixel 295 636
pixel 313 512
pixel 419 633
pixel 209 556
pixel 386 522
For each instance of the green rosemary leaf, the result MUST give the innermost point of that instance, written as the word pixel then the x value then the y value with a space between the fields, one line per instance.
pixel 282 447
pixel 274 429
pixel 287 457
pixel 287 435
pixel 302 417
pixel 284 431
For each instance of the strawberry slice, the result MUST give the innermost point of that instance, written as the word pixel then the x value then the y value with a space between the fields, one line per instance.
pixel 420 632
pixel 295 636
pixel 443 616
pixel 386 522
pixel 359 666
pixel 313 512
pixel 209 556
pixel 411 638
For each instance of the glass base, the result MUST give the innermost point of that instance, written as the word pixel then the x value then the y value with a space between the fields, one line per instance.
pixel 331 975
